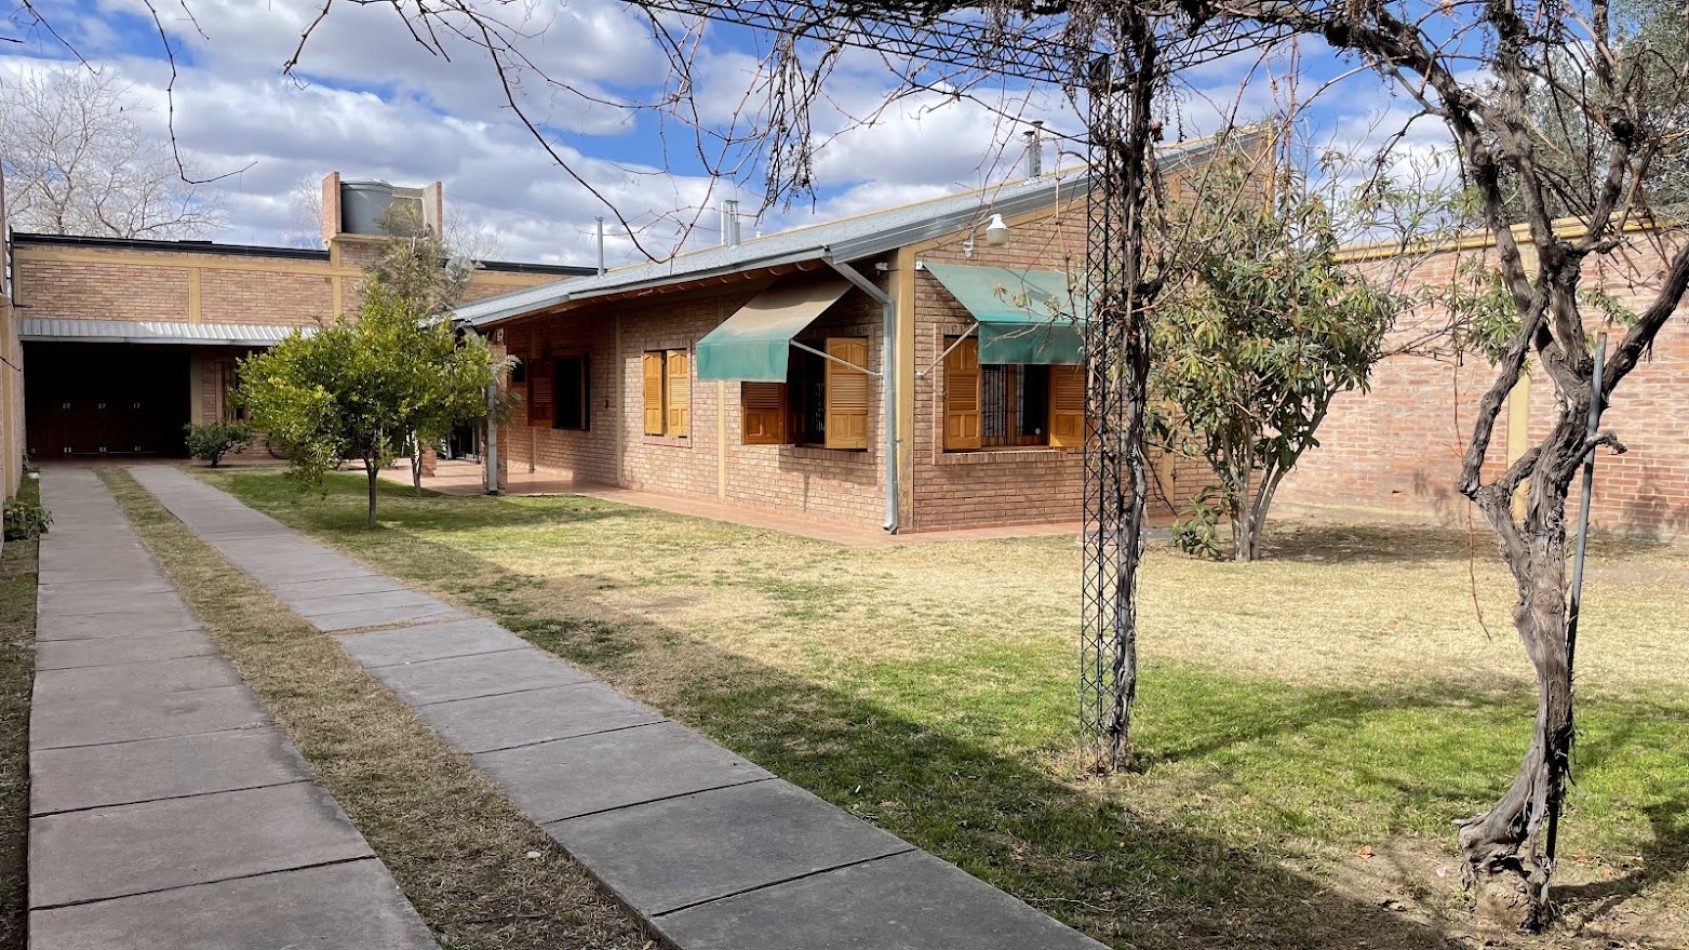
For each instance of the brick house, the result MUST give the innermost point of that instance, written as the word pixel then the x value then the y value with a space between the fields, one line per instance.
pixel 914 368
pixel 128 341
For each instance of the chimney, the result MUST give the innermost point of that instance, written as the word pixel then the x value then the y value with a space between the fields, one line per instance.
pixel 331 208
pixel 1035 150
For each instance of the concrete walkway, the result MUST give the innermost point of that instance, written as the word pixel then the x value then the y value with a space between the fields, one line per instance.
pixel 166 809
pixel 711 851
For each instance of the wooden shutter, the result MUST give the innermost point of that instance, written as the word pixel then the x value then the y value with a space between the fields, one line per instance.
pixel 762 413
pixel 1067 405
pixel 961 396
pixel 542 401
pixel 680 393
pixel 653 375
pixel 847 393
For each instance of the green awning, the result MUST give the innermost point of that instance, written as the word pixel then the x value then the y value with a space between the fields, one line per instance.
pixel 1025 316
pixel 754 343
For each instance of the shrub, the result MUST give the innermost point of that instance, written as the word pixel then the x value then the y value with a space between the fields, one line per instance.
pixel 1197 532
pixel 215 440
pixel 26 519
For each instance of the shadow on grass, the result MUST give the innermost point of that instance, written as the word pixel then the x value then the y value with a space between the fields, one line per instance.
pixel 1409 544
pixel 1134 877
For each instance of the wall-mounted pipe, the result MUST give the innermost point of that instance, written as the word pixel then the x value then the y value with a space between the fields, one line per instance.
pixel 888 380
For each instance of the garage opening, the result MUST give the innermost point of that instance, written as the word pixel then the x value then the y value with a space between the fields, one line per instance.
pixel 92 399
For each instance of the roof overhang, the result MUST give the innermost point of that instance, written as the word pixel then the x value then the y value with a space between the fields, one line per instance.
pixel 63 330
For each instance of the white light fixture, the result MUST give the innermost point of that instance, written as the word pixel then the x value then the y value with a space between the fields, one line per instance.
pixel 996 232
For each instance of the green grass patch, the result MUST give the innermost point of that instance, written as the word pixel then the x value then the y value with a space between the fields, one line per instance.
pixel 1310 726
pixel 17 678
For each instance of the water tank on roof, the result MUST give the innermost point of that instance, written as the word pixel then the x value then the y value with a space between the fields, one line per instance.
pixel 362 203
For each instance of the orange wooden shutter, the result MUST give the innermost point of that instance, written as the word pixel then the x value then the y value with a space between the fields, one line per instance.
pixel 847 393
pixel 961 396
pixel 542 401
pixel 1067 405
pixel 762 413
pixel 680 393
pixel 653 366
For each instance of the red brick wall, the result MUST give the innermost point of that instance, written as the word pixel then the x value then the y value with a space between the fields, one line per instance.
pixel 1397 449
pixel 1008 486
pixel 125 284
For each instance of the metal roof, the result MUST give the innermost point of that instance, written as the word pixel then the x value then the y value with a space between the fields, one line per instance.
pixel 55 329
pixel 849 239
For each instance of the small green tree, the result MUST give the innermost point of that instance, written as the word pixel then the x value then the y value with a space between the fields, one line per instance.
pixel 362 390
pixel 1252 348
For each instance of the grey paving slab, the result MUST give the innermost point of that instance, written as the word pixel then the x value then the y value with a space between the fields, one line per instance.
pixel 177 675
pixel 112 651
pixel 351 906
pixel 101 719
pixel 151 580
pixel 383 616
pixel 346 603
pixel 120 624
pixel 539 715
pixel 433 641
pixel 908 901
pixel 670 854
pixel 128 772
pixel 94 604
pixel 488 674
pixel 572 777
pixel 269 572
pixel 336 587
pixel 132 849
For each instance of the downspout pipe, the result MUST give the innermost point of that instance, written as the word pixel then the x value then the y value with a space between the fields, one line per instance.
pixel 888 379
pixel 492 439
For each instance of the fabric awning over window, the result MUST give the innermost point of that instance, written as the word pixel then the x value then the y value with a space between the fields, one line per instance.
pixel 1025 316
pixel 754 343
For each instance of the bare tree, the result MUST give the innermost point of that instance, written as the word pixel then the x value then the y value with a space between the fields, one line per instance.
pixel 1478 66
pixel 77 161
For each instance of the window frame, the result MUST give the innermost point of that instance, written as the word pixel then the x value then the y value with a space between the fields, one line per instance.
pixel 665 405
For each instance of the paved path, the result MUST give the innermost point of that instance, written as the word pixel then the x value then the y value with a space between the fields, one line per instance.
pixel 711 851
pixel 166 809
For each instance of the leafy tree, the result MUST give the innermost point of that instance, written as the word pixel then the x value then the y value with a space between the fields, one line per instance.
pixel 363 389
pixel 1254 346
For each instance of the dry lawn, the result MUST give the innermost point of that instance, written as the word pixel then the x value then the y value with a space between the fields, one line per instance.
pixel 1310 725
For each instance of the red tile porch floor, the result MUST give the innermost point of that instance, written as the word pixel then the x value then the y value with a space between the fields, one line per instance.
pixel 465 478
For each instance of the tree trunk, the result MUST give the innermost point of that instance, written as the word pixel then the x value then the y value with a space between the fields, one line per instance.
pixel 373 472
pixel 1507 863
pixel 416 464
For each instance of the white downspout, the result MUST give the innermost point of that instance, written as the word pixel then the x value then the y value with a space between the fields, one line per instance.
pixel 888 380
pixel 492 439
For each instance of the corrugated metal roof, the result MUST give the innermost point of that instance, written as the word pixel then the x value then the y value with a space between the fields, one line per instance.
pixel 849 239
pixel 56 329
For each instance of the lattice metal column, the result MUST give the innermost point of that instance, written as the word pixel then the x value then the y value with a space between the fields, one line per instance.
pixel 1116 357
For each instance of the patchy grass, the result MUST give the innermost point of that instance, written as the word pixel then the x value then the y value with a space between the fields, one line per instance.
pixel 1311 724
pixel 478 872
pixel 17 678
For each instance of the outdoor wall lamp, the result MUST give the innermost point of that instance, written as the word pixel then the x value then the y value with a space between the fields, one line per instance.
pixel 996 235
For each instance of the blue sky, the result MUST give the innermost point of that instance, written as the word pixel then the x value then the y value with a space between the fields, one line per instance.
pixel 368 102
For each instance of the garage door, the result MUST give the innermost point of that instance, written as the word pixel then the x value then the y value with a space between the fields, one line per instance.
pixel 89 399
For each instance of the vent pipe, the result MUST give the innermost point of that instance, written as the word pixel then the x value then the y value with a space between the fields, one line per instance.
pixel 730 222
pixel 601 245
pixel 1035 150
